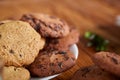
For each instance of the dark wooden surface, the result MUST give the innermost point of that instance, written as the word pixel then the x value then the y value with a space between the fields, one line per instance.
pixel 98 16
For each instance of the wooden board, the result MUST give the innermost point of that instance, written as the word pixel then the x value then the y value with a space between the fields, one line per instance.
pixel 98 16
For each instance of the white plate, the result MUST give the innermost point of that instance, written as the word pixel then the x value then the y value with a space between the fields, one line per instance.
pixel 74 49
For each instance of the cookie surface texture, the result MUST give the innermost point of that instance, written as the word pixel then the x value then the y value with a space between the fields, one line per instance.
pixel 52 62
pixel 63 43
pixel 47 26
pixel 108 61
pixel 93 73
pixel 13 73
pixel 19 43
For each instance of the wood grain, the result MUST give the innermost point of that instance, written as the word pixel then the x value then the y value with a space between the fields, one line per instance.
pixel 98 16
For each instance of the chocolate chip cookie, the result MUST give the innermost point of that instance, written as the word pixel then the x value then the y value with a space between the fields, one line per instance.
pixel 63 43
pixel 108 61
pixel 46 25
pixel 19 43
pixel 50 62
pixel 14 73
pixel 93 73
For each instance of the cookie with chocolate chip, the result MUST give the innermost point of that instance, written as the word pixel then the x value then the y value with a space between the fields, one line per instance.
pixel 19 43
pixel 93 73
pixel 15 73
pixel 50 62
pixel 5 21
pixel 65 42
pixel 108 61
pixel 46 25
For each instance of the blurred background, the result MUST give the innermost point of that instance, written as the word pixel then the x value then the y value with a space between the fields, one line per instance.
pixel 80 13
pixel 98 16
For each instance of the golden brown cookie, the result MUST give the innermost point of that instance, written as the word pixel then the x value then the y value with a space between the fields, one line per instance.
pixel 93 73
pixel 52 62
pixel 14 73
pixel 5 21
pixel 108 61
pixel 47 26
pixel 19 43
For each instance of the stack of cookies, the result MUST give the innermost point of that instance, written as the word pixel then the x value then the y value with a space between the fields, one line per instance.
pixel 37 43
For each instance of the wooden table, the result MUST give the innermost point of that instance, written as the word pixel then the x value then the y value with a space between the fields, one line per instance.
pixel 98 16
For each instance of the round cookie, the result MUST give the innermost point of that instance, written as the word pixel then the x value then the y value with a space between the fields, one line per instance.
pixel 108 61
pixel 19 43
pixel 14 73
pixel 47 26
pixel 63 43
pixel 52 62
pixel 93 73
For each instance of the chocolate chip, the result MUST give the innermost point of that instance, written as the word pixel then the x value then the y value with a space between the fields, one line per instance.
pixel 42 59
pixel 56 58
pixel 26 17
pixel 85 71
pixel 11 51
pixel 53 71
pixel 4 46
pixel 57 27
pixel 1 23
pixel 62 52
pixel 60 64
pixel 103 70
pixel 114 60
pixel 66 57
pixel 44 68
pixel 0 35
pixel 37 27
pixel 20 55
pixel 15 69
pixel 40 66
